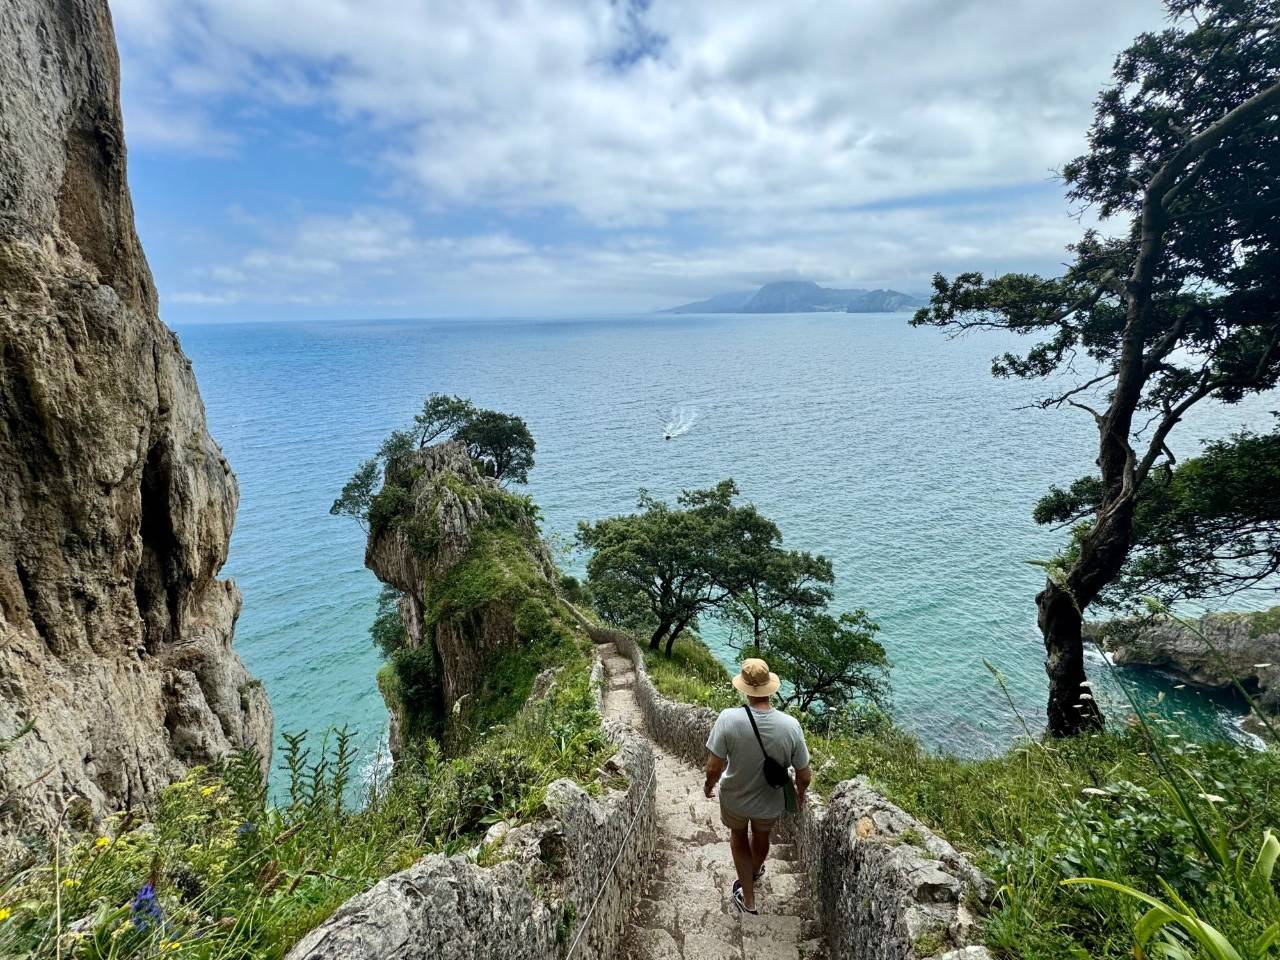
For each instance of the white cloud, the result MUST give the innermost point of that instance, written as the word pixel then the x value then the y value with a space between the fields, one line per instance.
pixel 765 125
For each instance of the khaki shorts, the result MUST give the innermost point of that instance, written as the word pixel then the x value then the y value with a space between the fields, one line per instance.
pixel 736 821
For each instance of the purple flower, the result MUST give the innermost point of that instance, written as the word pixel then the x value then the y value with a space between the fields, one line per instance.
pixel 145 909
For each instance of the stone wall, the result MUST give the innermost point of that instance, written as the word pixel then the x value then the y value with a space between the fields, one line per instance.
pixel 679 727
pixel 886 886
pixel 537 904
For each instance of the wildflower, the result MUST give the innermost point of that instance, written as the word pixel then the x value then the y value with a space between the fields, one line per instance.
pixel 5 914
pixel 168 946
pixel 102 842
pixel 70 883
pixel 208 791
pixel 145 908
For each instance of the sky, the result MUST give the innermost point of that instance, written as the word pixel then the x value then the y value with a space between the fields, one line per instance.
pixel 408 158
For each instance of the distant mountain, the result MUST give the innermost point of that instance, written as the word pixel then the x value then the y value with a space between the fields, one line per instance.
pixel 803 296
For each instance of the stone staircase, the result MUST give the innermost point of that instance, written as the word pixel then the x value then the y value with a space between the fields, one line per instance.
pixel 685 912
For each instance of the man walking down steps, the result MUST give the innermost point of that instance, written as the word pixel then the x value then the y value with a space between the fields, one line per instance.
pixel 751 747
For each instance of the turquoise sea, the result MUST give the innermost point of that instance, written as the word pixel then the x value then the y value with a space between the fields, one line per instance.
pixel 890 449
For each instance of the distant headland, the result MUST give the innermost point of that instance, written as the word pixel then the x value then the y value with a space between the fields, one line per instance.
pixel 802 296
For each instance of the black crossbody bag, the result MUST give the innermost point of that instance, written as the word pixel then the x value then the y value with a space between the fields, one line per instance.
pixel 775 774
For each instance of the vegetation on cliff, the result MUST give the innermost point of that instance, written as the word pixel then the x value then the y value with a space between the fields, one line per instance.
pixel 221 871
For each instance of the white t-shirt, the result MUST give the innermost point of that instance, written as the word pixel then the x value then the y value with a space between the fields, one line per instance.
pixel 743 789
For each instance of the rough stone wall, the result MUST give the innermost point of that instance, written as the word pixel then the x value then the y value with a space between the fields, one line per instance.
pixel 534 905
pixel 681 728
pixel 899 891
pixel 116 506
pixel 887 887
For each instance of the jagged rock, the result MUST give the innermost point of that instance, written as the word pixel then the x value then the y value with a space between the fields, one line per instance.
pixel 117 506
pixel 1240 646
pixel 449 516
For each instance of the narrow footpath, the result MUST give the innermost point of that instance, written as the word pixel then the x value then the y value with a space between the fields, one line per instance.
pixel 685 911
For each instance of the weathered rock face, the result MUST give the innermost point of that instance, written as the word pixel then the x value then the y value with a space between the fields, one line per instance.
pixel 117 506
pixel 466 570
pixel 1240 646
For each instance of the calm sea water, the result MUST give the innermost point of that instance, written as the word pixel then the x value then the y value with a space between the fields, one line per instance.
pixel 891 450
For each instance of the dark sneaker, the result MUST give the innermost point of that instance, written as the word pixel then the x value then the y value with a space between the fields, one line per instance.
pixel 739 903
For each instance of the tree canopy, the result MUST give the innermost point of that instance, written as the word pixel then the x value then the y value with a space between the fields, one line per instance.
pixel 1181 306
pixel 829 662
pixel 660 567
pixel 499 443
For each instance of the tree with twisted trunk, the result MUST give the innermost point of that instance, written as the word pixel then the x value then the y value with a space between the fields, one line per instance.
pixel 1181 307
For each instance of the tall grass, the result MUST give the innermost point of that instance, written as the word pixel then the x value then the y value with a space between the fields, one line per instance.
pixel 221 872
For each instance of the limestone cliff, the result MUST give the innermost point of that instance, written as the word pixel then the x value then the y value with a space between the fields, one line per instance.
pixel 476 581
pixel 1240 646
pixel 117 506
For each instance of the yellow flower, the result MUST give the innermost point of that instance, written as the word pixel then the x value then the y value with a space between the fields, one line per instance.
pixel 168 946
pixel 208 791
pixel 5 914
pixel 102 842
pixel 70 882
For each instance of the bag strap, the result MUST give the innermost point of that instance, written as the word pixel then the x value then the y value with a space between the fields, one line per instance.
pixel 756 731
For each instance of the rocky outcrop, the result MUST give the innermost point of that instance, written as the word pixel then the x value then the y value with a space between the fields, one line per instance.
pixel 117 506
pixel 1214 651
pixel 474 576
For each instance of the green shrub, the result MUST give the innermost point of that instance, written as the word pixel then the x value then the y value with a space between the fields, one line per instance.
pixel 222 873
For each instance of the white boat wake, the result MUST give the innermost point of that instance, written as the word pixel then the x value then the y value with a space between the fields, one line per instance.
pixel 679 422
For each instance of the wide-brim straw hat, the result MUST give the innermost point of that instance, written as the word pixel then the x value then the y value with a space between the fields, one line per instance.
pixel 755 680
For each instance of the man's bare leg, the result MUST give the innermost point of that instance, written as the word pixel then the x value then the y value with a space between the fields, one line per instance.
pixel 759 849
pixel 740 847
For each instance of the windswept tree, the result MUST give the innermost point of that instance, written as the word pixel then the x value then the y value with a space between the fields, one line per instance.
pixel 656 568
pixel 1206 527
pixel 441 415
pixel 500 443
pixel 829 662
pixel 1180 308
pixel 765 581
